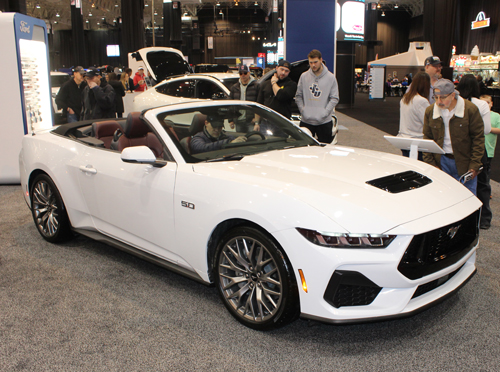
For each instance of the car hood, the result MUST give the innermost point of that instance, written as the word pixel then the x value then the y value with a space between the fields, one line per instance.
pixel 333 180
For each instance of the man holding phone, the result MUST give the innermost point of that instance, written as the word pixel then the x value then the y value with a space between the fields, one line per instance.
pixel 456 125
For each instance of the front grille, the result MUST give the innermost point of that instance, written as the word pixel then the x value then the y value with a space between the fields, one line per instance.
pixel 440 248
pixel 350 288
pixel 404 181
pixel 427 287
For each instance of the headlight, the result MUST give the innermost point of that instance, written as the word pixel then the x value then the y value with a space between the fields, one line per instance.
pixel 336 240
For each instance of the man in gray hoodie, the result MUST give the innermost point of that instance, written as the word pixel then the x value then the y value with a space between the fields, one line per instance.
pixel 317 95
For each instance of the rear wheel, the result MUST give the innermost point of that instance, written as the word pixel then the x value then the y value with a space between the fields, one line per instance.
pixel 255 280
pixel 48 210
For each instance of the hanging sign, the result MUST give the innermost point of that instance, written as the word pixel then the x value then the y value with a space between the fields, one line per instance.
pixel 480 22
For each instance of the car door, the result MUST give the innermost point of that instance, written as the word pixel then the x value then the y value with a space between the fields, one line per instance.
pixel 130 202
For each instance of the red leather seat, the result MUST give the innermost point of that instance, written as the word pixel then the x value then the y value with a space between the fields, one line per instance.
pixel 104 130
pixel 137 133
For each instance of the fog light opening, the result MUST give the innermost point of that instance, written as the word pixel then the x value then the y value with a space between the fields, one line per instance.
pixel 303 280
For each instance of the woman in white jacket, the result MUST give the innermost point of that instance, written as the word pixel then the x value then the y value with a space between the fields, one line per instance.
pixel 412 109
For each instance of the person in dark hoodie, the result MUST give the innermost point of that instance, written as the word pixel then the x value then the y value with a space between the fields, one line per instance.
pixel 98 101
pixel 317 95
pixel 277 93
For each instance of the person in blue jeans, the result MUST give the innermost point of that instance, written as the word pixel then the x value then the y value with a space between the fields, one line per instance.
pixel 69 97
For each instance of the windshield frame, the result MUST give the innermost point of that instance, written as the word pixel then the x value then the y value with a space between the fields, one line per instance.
pixel 286 135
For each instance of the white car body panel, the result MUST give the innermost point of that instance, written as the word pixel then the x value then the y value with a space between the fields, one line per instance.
pixel 151 98
pixel 317 188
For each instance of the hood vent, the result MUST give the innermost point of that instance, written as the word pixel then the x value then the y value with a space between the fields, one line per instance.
pixel 400 182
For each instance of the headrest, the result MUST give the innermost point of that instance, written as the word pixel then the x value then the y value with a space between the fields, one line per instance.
pixel 197 124
pixel 105 128
pixel 134 126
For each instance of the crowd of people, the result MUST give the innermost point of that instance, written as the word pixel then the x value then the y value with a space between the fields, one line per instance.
pixel 91 94
pixel 459 119
pixel 316 96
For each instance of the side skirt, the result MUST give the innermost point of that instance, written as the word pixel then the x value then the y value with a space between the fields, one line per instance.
pixel 94 235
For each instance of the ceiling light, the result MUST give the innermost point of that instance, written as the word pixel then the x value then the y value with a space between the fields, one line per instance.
pixel 156 13
pixel 90 14
pixel 93 5
pixel 383 14
pixel 221 12
pixel 218 4
pixel 86 21
pixel 116 5
pixel 396 6
pixel 256 3
pixel 146 5
pixel 37 5
pixel 378 6
pixel 55 21
pixel 57 14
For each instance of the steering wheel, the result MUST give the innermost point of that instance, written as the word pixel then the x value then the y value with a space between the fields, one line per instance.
pixel 253 133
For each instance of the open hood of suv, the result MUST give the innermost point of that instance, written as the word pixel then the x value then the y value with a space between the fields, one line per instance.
pixel 162 62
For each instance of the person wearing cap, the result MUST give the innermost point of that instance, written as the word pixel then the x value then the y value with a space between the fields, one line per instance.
pixel 317 95
pixel 433 67
pixel 69 97
pixel 456 125
pixel 278 92
pixel 98 100
pixel 246 89
pixel 140 81
pixel 212 137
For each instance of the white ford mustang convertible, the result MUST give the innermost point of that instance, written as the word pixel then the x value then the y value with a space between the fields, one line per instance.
pixel 282 225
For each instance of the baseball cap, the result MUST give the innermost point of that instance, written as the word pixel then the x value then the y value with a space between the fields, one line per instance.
pixel 215 121
pixel 140 68
pixel 284 63
pixel 433 60
pixel 445 87
pixel 91 72
pixel 243 69
pixel 79 69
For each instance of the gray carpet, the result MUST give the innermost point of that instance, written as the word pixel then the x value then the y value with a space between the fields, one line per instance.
pixel 83 306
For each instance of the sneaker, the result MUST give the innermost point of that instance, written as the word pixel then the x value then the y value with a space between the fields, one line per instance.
pixel 484 226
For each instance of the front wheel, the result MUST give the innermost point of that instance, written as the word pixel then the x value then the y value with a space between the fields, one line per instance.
pixel 255 280
pixel 48 210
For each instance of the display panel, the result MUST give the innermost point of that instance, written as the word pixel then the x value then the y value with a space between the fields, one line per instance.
pixel 35 82
pixel 113 50
pixel 351 15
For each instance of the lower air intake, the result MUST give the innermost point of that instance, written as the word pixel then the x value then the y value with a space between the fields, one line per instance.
pixel 350 288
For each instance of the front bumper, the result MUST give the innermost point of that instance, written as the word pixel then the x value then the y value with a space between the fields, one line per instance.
pixel 352 286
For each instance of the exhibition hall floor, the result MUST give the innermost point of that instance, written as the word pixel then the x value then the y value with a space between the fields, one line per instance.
pixel 84 306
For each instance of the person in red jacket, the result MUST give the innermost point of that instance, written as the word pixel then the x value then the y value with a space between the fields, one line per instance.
pixel 139 81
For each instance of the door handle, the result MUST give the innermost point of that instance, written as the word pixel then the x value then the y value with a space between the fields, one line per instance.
pixel 88 169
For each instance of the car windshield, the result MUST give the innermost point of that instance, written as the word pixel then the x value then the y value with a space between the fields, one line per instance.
pixel 57 81
pixel 230 132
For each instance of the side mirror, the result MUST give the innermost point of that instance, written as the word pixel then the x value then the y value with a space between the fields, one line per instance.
pixel 140 155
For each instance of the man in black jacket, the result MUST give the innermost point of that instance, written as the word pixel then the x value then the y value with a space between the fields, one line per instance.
pixel 278 92
pixel 98 101
pixel 69 97
pixel 246 89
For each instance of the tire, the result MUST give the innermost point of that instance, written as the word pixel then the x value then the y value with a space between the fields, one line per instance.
pixel 49 213
pixel 255 280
